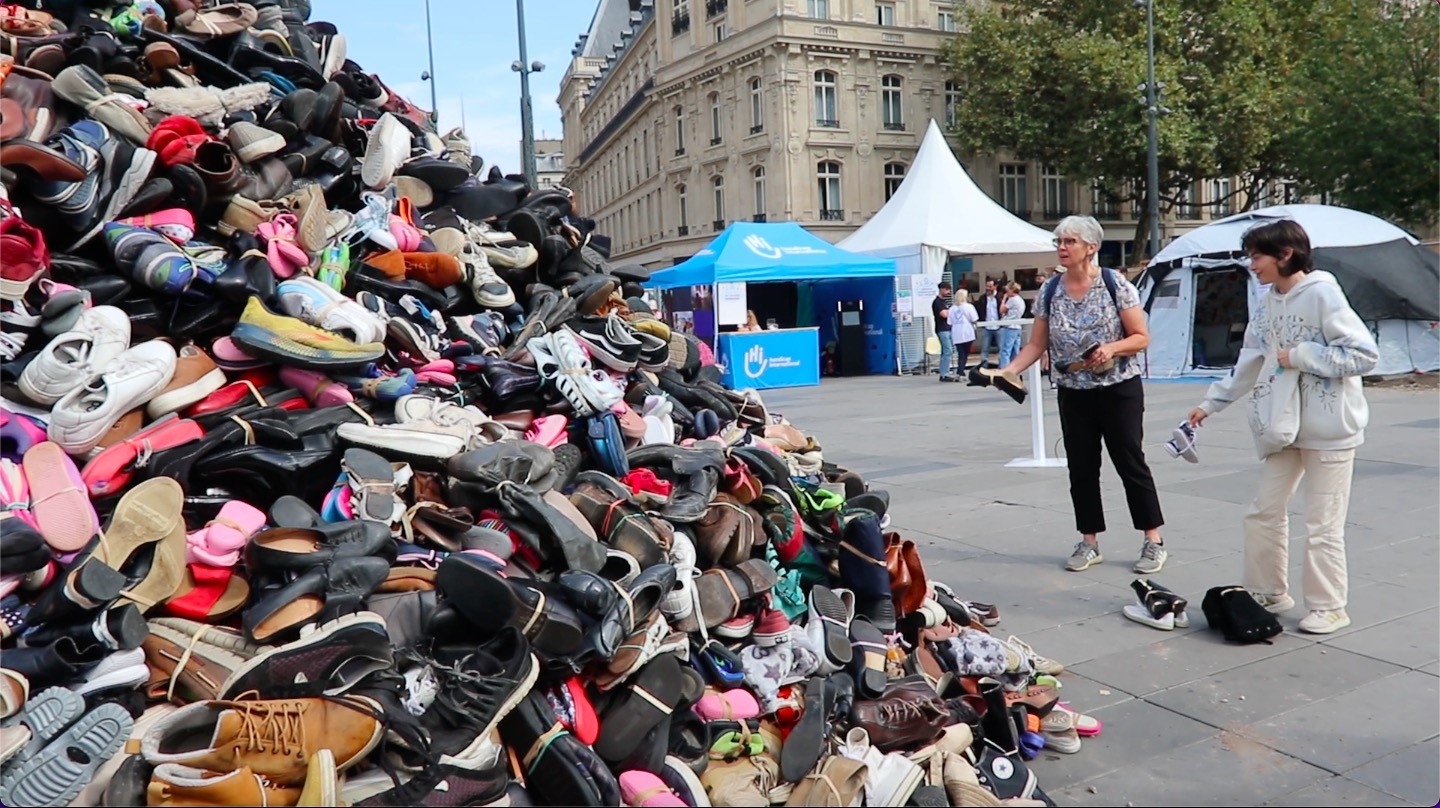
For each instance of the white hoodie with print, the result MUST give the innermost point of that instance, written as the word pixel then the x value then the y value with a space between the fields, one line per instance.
pixel 1331 347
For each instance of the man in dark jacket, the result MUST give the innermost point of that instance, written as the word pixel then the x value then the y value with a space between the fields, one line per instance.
pixel 940 311
pixel 988 307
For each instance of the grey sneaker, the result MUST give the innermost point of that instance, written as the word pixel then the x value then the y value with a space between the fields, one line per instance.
pixel 1086 555
pixel 1274 603
pixel 1152 558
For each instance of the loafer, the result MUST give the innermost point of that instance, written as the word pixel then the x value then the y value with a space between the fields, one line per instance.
pixel 320 595
pixel 289 549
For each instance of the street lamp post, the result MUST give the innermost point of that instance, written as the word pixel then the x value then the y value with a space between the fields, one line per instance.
pixel 430 74
pixel 1152 113
pixel 527 122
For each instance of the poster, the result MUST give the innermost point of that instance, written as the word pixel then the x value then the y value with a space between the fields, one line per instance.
pixel 904 303
pixel 730 306
pixel 924 286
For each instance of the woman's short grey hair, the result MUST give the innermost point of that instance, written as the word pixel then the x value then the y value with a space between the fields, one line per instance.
pixel 1083 227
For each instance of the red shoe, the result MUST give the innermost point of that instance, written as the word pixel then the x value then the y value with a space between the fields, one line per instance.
pixel 230 395
pixel 771 625
pixel 110 471
pixel 176 138
pixel 23 255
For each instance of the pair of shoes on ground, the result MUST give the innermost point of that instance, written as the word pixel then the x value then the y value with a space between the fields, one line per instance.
pixel 1086 555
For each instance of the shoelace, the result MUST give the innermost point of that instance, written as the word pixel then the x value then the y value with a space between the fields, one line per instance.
pixel 270 727
pixel 896 712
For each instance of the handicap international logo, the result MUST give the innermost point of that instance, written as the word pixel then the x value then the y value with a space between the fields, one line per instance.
pixel 761 247
pixel 755 361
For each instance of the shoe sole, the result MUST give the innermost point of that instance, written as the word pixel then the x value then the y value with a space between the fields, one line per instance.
pixel 1088 564
pixel 323 632
pixel 320 781
pixel 148 514
pixel 1141 615
pixel 182 397
pixel 835 621
pixel 63 510
pixel 125 190
pixel 516 696
pixel 127 678
pixel 265 344
pixel 68 763
pixel 53 709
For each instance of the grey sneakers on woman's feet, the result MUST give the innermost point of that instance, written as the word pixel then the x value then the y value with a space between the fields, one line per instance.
pixel 1086 555
pixel 1152 558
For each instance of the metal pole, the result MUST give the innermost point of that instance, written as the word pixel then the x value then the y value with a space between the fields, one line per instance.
pixel 430 46
pixel 527 125
pixel 1152 111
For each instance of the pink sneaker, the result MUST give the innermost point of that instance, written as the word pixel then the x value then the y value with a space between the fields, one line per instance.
pixel 176 224
pixel 61 506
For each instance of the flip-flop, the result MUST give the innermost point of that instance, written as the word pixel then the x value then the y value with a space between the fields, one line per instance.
pixel 209 594
pixel 868 665
pixel 59 500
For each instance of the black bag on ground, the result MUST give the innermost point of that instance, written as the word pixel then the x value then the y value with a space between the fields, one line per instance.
pixel 1233 612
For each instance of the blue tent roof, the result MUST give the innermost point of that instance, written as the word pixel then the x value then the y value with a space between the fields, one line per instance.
pixel 760 253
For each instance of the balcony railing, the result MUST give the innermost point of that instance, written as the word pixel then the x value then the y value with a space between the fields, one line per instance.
pixel 829 123
pixel 715 7
pixel 715 141
pixel 718 225
pixel 894 126
pixel 683 230
pixel 832 215
pixel 1107 210
pixel 759 217
pixel 1057 213
pixel 680 24
pixel 827 31
pixel 757 129
pixel 1184 211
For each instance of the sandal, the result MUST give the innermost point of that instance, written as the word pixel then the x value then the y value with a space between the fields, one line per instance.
pixel 372 478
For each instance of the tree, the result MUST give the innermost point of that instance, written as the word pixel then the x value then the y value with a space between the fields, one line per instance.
pixel 1060 81
pixel 1368 128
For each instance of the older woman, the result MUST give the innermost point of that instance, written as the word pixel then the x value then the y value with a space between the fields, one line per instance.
pixel 1091 321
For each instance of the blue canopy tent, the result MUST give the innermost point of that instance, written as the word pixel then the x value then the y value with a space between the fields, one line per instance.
pixel 778 252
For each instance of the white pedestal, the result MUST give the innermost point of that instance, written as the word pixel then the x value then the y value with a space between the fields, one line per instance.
pixel 1037 458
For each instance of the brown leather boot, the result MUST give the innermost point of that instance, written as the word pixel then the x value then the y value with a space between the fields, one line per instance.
pixel 173 785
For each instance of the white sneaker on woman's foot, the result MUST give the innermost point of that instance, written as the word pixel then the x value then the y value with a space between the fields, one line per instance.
pixel 1274 604
pixel 1324 621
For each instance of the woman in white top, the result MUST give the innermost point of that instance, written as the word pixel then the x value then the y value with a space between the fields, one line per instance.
pixel 963 317
pixel 1012 308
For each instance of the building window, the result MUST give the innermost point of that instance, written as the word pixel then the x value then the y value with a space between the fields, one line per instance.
pixel 1185 206
pixel 680 17
pixel 757 107
pixel 894 175
pixel 679 131
pixel 715 7
pixel 828 175
pixel 1012 189
pixel 890 104
pixel 1220 193
pixel 1103 206
pixel 945 20
pixel 952 102
pixel 645 150
pixel 714 119
pixel 1056 191
pixel 827 112
pixel 818 9
pixel 884 13
pixel 759 178
pixel 719 185
pixel 683 206
pixel 719 31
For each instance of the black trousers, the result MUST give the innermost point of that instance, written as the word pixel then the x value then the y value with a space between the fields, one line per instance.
pixel 1116 415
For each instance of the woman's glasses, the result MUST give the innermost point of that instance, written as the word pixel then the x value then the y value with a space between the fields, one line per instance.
pixel 1068 242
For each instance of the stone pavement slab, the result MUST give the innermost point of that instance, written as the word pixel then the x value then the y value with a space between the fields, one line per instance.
pixel 1351 718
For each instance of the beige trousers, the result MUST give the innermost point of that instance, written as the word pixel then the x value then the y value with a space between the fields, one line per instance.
pixel 1326 478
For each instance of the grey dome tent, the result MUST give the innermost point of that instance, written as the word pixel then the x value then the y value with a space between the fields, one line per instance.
pixel 1198 292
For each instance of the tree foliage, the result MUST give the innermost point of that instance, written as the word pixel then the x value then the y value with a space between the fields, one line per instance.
pixel 1251 87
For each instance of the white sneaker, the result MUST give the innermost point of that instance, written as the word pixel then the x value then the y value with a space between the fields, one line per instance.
pixel 121 669
pixel 501 248
pixel 1324 621
pixel 1274 603
pixel 474 426
pixel 101 334
pixel 85 414
pixel 485 286
pixel 1058 727
pixel 891 779
pixel 388 146
pixel 316 303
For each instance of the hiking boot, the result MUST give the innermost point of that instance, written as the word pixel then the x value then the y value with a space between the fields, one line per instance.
pixel 1085 556
pixel 1274 604
pixel 1324 621
pixel 477 693
pixel 273 737
pixel 327 660
pixel 1152 558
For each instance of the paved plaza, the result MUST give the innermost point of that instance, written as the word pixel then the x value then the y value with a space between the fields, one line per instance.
pixel 1350 719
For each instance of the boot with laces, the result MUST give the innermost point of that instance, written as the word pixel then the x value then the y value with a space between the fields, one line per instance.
pixel 176 785
pixel 273 738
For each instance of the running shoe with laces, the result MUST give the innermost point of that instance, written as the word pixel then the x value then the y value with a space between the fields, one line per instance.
pixel 1152 558
pixel 476 692
pixel 1084 556
pixel 1324 621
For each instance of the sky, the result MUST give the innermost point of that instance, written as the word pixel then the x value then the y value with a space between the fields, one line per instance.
pixel 475 42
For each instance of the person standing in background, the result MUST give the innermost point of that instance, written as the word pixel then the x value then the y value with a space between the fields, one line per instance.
pixel 962 330
pixel 989 311
pixel 940 310
pixel 1012 308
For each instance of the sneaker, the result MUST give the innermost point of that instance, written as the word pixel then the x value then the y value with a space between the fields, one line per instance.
pixel 1085 556
pixel 485 286
pixel 387 146
pixel 80 420
pixel 252 141
pixel 1041 664
pixel 1324 621
pixel 289 341
pixel 1274 604
pixel 1182 442
pixel 184 785
pixel 100 336
pixel 1058 727
pixel 318 304
pixel 23 256
pixel 477 693
pixel 327 660
pixel 1152 558
pixel 121 670
pixel 150 258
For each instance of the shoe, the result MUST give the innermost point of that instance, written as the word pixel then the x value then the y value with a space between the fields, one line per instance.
pixel 84 415
pixel 1152 558
pixel 274 738
pixel 196 377
pixel 251 142
pixel 122 171
pixel 1042 665
pixel 23 255
pixel 150 258
pixel 1324 621
pixel 1274 604
pixel 323 593
pixel 1182 442
pixel 1085 556
pixel 119 671
pixel 56 772
pixel 88 90
pixel 172 784
pixel 387 146
pixel 477 692
pixel 327 660
pixel 485 285
pixel 890 779
pixel 318 304
pixel 100 336
pixel 193 661
pixel 290 341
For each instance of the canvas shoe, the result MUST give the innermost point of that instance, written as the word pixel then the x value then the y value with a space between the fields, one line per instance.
pixel 1324 621
pixel 485 286
pixel 890 779
pixel 318 304
pixel 1043 665
pixel 85 414
pixel 1058 727
pixel 1182 443
pixel 100 335
pixel 1085 556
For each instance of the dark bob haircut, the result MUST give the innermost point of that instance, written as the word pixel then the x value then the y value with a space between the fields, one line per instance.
pixel 1272 239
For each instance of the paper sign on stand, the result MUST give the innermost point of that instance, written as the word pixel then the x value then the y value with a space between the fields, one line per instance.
pixel 904 303
pixel 925 286
pixel 730 303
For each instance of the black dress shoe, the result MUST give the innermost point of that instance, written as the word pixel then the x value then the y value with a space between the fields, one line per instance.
pixel 260 474
pixel 297 549
pixel 321 594
pixel 369 279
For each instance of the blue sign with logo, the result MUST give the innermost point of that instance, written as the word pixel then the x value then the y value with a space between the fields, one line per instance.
pixel 767 359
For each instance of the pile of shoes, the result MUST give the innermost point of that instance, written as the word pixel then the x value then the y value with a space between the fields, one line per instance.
pixel 339 470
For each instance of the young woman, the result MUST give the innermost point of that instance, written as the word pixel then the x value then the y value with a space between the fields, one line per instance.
pixel 752 323
pixel 962 329
pixel 1092 324
pixel 1305 326
pixel 1011 308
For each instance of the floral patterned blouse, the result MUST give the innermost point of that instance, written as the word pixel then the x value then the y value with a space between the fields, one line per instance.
pixel 1093 318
